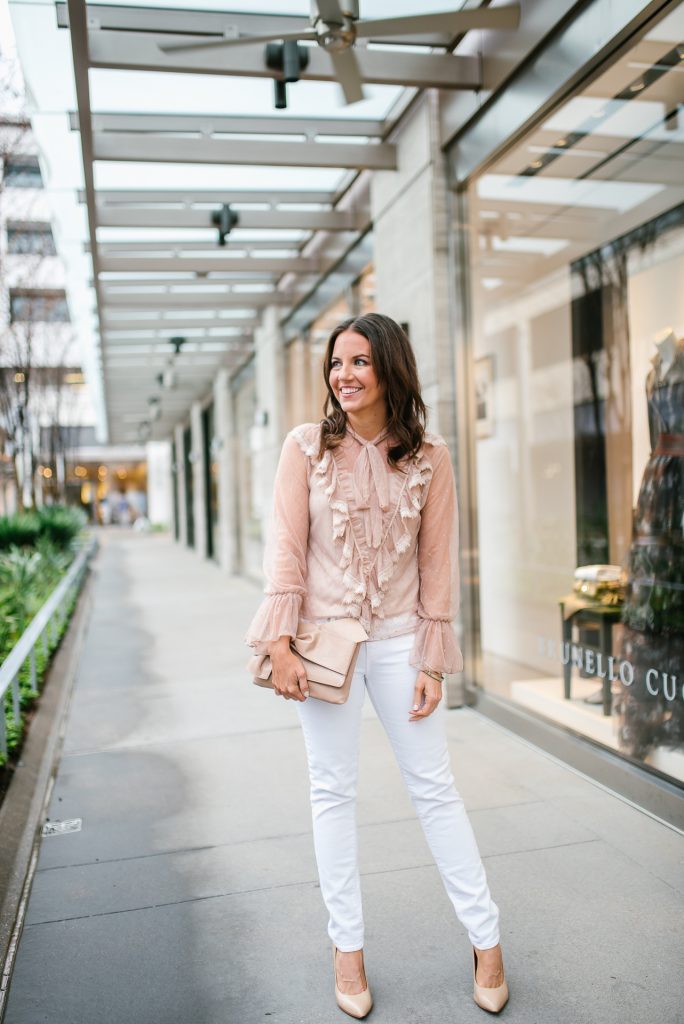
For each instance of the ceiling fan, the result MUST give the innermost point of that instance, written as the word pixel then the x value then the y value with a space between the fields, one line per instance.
pixel 335 25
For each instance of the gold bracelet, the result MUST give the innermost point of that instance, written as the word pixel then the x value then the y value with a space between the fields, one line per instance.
pixel 433 675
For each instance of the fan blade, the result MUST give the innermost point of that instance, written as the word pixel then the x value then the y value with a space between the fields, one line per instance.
pixel 209 44
pixel 348 75
pixel 454 23
pixel 330 11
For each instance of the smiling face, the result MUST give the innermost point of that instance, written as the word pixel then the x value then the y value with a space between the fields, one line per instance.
pixel 353 379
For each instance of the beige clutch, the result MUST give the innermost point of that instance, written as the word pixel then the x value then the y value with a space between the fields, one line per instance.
pixel 328 653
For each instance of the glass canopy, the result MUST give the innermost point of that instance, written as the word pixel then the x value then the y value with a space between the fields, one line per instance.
pixel 144 146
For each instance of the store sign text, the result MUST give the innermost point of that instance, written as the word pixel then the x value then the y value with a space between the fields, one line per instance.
pixel 597 663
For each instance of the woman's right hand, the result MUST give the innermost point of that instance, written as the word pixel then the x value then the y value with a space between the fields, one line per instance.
pixel 289 674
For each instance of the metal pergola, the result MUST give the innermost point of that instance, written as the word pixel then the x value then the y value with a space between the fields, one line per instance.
pixel 154 282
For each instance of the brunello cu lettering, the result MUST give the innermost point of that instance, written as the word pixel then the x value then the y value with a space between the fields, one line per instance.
pixel 598 663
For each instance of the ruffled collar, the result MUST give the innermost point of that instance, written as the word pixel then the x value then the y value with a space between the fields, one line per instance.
pixel 370 480
pixel 364 440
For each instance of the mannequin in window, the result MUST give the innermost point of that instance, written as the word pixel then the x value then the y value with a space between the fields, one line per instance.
pixel 651 708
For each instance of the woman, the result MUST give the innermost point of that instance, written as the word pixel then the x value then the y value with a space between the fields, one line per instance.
pixel 365 524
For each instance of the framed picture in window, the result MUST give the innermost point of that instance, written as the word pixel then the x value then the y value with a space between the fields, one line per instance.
pixel 484 396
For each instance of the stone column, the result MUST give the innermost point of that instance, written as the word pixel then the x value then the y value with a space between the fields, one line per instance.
pixel 160 481
pixel 227 476
pixel 410 239
pixel 298 397
pixel 269 427
pixel 198 473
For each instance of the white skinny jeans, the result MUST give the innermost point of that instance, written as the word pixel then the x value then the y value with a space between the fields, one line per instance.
pixel 331 734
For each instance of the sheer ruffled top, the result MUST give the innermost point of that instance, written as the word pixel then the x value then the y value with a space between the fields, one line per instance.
pixel 352 535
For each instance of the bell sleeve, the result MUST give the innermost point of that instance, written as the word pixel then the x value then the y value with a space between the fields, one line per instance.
pixel 284 562
pixel 436 647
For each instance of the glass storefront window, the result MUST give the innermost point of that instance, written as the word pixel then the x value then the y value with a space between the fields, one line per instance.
pixel 576 266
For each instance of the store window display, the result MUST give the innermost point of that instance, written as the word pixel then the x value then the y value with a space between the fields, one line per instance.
pixel 651 705
pixel 575 291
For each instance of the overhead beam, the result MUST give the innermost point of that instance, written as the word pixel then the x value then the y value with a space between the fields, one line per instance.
pixel 216 124
pixel 204 264
pixel 562 228
pixel 207 347
pixel 213 23
pixel 186 302
pixel 156 325
pixel 528 207
pixel 631 167
pixel 163 284
pixel 302 220
pixel 77 19
pixel 178 245
pixel 179 20
pixel 159 324
pixel 186 378
pixel 137 51
pixel 196 358
pixel 157 345
pixel 181 279
pixel 189 197
pixel 136 285
pixel 127 146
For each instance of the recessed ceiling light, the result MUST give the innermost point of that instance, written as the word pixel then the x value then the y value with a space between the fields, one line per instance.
pixel 637 86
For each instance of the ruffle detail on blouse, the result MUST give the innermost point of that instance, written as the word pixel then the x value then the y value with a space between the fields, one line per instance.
pixel 436 647
pixel 277 616
pixel 365 585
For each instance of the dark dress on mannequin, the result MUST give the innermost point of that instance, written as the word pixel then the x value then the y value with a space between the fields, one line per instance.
pixel 650 709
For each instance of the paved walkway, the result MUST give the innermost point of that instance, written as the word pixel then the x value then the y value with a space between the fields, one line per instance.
pixel 190 895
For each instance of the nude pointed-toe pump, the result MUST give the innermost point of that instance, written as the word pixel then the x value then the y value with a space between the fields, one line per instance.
pixel 491 999
pixel 357 1005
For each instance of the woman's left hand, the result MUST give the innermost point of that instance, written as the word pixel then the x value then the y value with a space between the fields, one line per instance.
pixel 426 697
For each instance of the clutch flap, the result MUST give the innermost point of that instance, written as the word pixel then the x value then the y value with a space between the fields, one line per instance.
pixel 322 674
pixel 330 650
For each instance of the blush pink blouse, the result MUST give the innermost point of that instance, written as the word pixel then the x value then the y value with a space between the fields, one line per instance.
pixel 353 536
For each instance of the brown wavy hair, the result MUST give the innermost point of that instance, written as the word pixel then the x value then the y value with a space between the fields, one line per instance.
pixel 394 363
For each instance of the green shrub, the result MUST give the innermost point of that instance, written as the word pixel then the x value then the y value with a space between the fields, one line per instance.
pixel 54 561
pixel 22 592
pixel 36 549
pixel 20 530
pixel 59 524
pixel 27 578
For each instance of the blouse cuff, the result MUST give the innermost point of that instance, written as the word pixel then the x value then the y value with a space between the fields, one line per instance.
pixel 436 647
pixel 277 615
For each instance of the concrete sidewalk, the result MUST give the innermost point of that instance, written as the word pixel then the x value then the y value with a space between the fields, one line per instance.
pixel 190 895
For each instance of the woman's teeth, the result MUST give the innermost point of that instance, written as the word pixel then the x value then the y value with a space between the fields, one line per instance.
pixel 349 391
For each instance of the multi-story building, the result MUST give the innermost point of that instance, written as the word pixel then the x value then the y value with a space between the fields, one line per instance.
pixel 45 412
